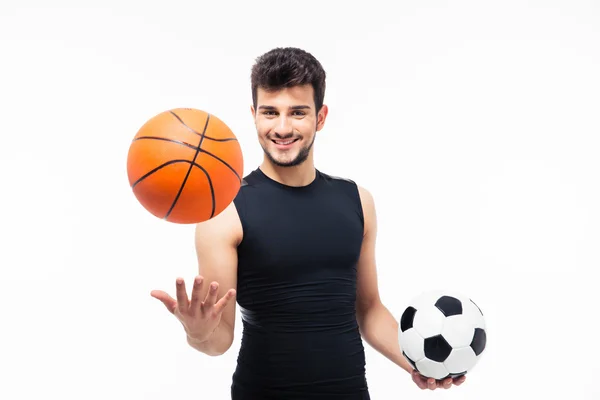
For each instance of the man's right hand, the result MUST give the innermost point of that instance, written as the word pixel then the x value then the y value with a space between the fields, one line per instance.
pixel 199 318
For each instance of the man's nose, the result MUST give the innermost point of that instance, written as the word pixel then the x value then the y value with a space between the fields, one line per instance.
pixel 284 126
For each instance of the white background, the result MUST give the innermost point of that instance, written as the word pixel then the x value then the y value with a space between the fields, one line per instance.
pixel 474 124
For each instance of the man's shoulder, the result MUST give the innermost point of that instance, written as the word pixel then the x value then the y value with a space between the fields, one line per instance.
pixel 336 178
pixel 345 184
pixel 349 184
pixel 251 179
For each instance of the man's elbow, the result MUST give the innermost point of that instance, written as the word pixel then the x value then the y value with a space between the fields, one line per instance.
pixel 365 309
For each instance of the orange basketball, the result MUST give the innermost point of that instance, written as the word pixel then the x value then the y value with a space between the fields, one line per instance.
pixel 185 166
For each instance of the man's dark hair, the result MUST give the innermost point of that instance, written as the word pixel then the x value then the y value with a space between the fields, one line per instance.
pixel 286 67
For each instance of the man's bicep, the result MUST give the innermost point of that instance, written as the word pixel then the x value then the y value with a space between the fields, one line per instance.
pixel 367 287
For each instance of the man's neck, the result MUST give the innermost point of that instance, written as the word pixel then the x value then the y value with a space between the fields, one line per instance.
pixel 299 175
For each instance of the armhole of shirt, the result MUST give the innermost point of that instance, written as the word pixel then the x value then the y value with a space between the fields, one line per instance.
pixel 360 210
pixel 354 193
pixel 240 205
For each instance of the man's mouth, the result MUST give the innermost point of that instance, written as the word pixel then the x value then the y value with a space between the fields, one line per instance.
pixel 285 142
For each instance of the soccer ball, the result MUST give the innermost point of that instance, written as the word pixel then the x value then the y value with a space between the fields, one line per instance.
pixel 442 334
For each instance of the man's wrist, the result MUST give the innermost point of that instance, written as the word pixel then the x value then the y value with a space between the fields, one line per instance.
pixel 193 340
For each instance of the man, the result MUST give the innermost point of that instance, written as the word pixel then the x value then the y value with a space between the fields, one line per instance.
pixel 297 248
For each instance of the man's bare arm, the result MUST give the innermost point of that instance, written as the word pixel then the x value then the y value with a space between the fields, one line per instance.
pixel 209 316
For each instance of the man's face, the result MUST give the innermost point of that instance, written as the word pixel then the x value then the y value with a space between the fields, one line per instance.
pixel 287 122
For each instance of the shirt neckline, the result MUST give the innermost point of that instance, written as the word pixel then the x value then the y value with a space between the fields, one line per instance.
pixel 289 187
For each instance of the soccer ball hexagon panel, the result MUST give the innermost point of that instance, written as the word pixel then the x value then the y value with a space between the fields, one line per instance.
pixel 442 334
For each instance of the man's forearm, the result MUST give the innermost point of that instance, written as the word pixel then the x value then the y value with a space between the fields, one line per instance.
pixel 217 344
pixel 379 329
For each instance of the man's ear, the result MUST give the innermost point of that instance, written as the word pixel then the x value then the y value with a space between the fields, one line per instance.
pixel 322 116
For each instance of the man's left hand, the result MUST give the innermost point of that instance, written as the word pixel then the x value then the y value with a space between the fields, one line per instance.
pixel 432 384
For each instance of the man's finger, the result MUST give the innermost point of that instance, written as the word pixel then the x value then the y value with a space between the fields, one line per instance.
pixel 419 380
pixel 211 296
pixel 182 299
pixel 421 383
pixel 221 304
pixel 460 380
pixel 447 383
pixel 431 384
pixel 196 293
pixel 167 300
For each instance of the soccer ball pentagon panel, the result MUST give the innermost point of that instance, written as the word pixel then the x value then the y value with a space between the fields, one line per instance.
pixel 442 334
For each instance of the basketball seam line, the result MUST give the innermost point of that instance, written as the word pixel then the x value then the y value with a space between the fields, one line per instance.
pixel 212 192
pixel 203 133
pixel 191 146
pixel 166 164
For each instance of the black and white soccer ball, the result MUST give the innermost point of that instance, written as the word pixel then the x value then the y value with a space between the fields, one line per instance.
pixel 442 334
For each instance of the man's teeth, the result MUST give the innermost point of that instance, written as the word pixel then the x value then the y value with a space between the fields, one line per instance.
pixel 284 142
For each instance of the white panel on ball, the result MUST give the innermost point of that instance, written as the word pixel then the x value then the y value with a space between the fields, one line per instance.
pixel 473 312
pixel 426 299
pixel 460 360
pixel 458 331
pixel 413 344
pixel 432 369
pixel 428 321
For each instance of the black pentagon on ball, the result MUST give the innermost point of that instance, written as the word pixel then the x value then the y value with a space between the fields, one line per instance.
pixel 479 340
pixel 449 305
pixel 437 348
pixel 408 316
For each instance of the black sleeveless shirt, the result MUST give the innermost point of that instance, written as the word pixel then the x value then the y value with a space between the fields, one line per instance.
pixel 296 290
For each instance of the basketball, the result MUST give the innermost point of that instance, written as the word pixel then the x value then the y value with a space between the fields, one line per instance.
pixel 185 165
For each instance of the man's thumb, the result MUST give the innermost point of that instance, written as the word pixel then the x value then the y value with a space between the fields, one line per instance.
pixel 167 300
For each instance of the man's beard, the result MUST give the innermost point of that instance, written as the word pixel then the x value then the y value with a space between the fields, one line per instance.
pixel 299 159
